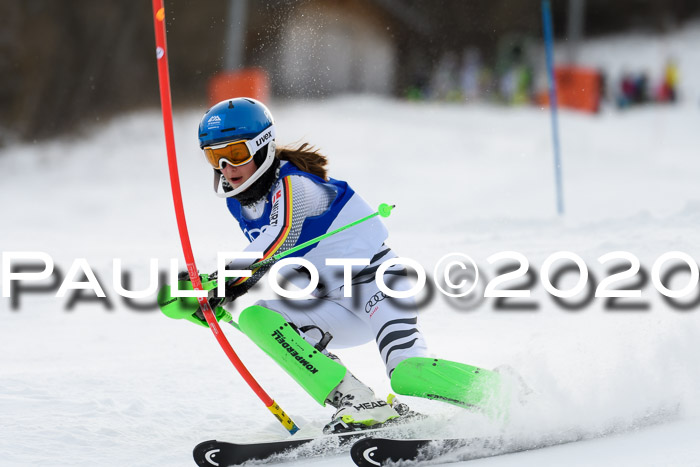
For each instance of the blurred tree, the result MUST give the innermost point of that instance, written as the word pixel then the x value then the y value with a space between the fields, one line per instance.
pixel 65 63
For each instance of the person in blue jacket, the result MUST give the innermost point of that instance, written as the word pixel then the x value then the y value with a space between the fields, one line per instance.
pixel 281 197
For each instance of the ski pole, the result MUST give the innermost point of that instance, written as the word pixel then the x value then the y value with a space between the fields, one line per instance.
pixel 166 105
pixel 384 210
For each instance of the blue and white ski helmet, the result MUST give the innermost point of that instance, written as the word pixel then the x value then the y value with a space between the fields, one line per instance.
pixel 240 119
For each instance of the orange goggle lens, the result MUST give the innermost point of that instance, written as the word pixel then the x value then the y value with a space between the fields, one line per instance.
pixel 234 153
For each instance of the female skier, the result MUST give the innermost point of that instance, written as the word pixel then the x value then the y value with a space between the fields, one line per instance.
pixel 283 197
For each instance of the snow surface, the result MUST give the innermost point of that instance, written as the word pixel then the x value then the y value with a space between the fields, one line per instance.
pixel 115 387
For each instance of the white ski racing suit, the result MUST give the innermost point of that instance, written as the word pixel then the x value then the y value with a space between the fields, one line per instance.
pixel 301 206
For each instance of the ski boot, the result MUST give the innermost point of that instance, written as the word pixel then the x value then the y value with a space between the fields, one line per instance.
pixel 358 408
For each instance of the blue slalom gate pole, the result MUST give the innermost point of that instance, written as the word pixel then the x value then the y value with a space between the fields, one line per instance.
pixel 549 52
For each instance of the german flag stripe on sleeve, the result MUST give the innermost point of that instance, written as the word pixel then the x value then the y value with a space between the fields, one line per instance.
pixel 287 226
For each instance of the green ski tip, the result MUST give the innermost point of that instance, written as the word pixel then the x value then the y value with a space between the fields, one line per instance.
pixel 385 209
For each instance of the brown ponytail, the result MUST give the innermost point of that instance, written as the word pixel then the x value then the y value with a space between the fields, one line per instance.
pixel 306 157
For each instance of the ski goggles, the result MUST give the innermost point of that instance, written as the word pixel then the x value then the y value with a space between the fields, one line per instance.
pixel 237 153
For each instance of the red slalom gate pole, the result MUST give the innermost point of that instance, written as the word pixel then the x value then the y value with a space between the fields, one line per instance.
pixel 166 105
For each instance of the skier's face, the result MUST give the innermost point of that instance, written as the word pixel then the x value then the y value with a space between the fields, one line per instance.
pixel 237 175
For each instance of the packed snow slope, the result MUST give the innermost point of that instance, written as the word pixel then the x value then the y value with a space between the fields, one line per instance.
pixel 124 387
pixel 98 383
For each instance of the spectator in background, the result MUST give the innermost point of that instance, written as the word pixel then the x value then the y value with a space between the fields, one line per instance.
pixel 516 81
pixel 470 75
pixel 523 85
pixel 667 90
pixel 633 89
pixel 444 85
pixel 641 88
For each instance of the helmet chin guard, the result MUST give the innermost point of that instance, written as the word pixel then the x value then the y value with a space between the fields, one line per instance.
pixel 267 162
